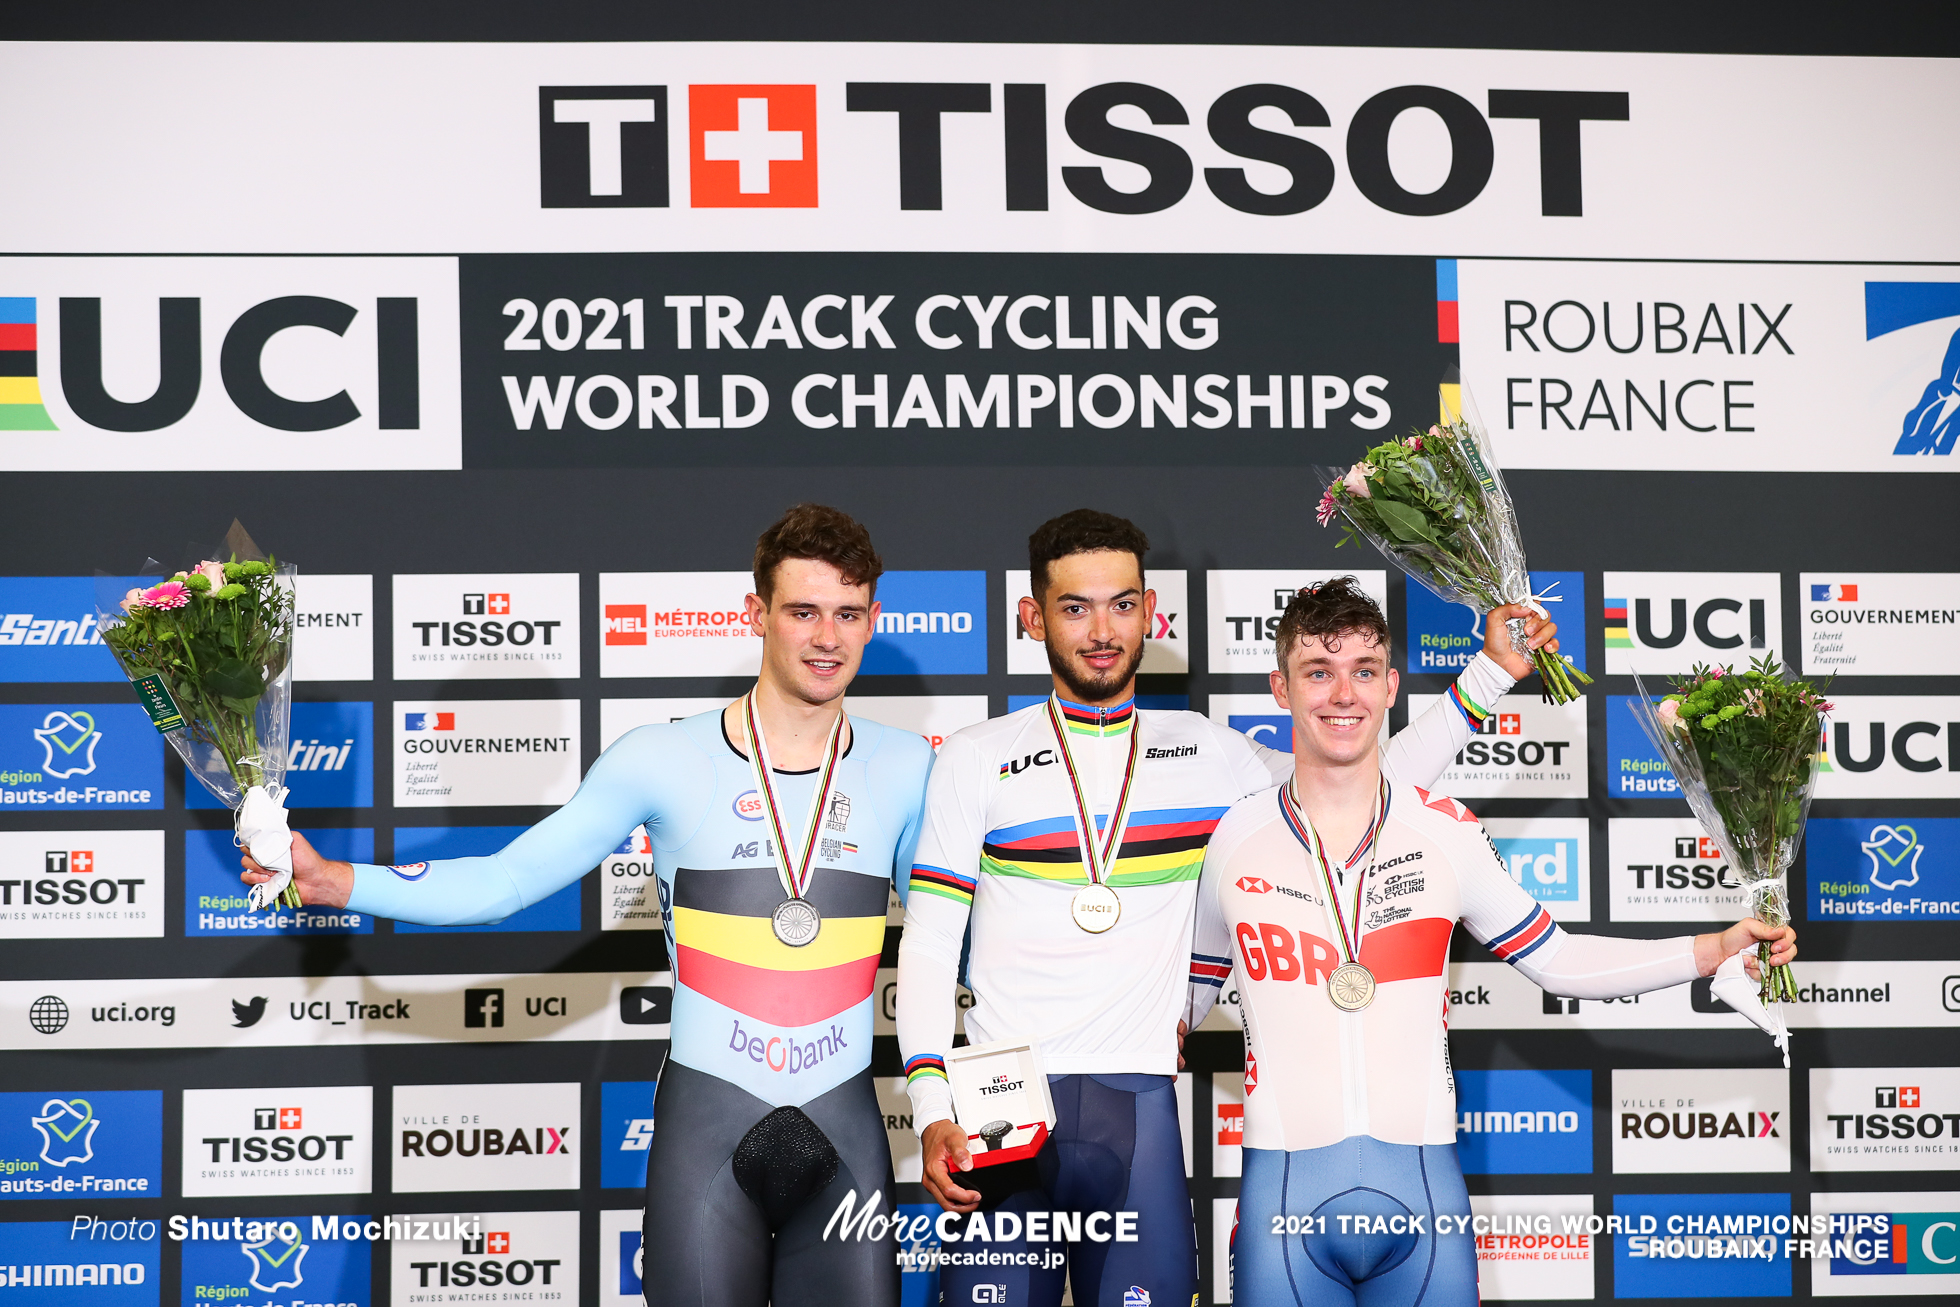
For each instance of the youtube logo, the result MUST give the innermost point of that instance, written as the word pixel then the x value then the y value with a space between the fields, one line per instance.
pixel 626 623
pixel 646 1005
pixel 752 147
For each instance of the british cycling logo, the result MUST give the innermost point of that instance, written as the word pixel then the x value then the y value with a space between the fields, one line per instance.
pixel 276 1261
pixel 68 742
pixel 67 1129
pixel 1932 424
pixel 1894 852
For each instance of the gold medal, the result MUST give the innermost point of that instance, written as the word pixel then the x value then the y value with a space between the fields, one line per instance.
pixel 1095 907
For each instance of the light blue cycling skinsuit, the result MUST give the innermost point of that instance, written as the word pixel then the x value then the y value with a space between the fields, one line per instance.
pixel 766 1115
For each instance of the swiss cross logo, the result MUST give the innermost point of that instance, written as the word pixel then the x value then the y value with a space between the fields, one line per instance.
pixel 626 623
pixel 1510 723
pixel 1900 1096
pixel 498 1243
pixel 289 1118
pixel 81 860
pixel 59 862
pixel 1908 1096
pixel 1254 885
pixel 499 605
pixel 752 147
pixel 1445 804
pixel 1702 848
pixel 1231 1123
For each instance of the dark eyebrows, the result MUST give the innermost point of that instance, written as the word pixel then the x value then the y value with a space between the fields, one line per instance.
pixel 1085 599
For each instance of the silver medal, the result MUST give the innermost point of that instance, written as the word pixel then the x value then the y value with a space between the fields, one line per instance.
pixel 796 922
pixel 1351 987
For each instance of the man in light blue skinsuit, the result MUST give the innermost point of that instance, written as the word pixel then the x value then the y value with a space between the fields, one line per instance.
pixel 766 1114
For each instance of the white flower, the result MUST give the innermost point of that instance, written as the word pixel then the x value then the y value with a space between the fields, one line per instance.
pixel 1357 480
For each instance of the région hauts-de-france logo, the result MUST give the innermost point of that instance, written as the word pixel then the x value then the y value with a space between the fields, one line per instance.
pixel 68 740
pixel 1894 852
pixel 67 1129
pixel 275 1262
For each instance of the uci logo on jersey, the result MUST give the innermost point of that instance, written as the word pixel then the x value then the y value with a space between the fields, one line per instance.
pixel 1039 758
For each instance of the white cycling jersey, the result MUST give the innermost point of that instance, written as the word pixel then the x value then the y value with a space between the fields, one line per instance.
pixel 1316 1075
pixel 999 852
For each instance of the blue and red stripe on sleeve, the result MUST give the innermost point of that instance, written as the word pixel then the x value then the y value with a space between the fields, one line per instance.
pixel 1525 938
pixel 1207 970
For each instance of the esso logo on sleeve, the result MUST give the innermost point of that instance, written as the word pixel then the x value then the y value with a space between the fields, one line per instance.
pixel 748 806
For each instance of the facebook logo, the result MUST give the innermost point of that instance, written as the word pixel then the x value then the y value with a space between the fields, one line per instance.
pixel 483 1009
pixel 602 147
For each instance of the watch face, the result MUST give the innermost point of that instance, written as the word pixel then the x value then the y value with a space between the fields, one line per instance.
pixel 995 1131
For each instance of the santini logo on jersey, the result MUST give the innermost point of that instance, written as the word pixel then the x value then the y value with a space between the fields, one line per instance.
pixel 1181 751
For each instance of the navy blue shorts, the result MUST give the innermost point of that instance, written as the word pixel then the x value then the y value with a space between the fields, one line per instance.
pixel 1116 1147
pixel 1290 1249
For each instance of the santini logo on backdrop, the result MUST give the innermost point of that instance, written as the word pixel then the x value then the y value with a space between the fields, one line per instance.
pixel 756 146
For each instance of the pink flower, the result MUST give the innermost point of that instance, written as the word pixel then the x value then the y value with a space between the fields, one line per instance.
pixel 132 599
pixel 169 594
pixel 214 573
pixel 1670 714
pixel 1414 443
pixel 1325 513
pixel 1715 674
pixel 1357 480
pixel 1436 433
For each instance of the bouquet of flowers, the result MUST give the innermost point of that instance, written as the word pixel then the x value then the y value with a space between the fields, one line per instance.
pixel 209 652
pixel 1436 505
pixel 1743 747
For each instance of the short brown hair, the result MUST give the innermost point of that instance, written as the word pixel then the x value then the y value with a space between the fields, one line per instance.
pixel 1079 532
pixel 1327 612
pixel 827 535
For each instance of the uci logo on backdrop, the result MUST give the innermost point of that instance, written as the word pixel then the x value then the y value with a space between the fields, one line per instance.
pixel 317 363
pixel 1663 623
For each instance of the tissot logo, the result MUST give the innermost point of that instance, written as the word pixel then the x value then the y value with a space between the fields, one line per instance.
pixel 602 147
pixel 1668 869
pixel 1524 749
pixel 752 147
pixel 1246 608
pixel 1884 1118
pixel 486 627
pixel 68 884
pixel 304 1141
pixel 504 1257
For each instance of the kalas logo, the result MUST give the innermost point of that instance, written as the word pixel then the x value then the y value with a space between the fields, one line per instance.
pixel 75 736
pixel 67 1128
pixel 1932 425
pixel 1894 852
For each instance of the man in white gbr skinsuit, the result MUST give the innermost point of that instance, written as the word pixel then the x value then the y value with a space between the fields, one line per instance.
pixel 1002 852
pixel 1336 893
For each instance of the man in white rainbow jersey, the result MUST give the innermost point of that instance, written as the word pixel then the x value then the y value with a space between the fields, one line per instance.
pixel 1084 945
pixel 1336 892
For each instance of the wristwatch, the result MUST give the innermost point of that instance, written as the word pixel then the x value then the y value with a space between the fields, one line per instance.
pixel 994 1132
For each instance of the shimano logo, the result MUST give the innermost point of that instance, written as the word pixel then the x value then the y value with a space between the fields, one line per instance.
pixel 1181 751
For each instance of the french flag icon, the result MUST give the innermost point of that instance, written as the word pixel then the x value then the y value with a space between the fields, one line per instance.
pixel 429 721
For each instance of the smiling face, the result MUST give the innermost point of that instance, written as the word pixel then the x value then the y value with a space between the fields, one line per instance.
pixel 1339 691
pixel 1093 620
pixel 814 631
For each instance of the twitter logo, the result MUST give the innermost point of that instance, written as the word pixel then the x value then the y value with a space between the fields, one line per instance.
pixel 247 1014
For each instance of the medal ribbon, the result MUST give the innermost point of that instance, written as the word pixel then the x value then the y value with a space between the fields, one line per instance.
pixel 1309 838
pixel 795 876
pixel 1097 862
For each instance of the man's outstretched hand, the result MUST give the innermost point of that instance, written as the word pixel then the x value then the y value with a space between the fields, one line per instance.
pixel 1539 633
pixel 1711 951
pixel 319 880
pixel 944 1146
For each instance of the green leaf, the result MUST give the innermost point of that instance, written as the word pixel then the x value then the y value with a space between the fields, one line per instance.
pixel 233 678
pixel 1406 523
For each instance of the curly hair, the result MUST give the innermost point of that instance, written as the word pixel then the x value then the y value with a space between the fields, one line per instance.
pixel 1327 612
pixel 1080 531
pixel 827 535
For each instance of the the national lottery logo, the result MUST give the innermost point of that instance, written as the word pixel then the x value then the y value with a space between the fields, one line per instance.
pixel 68 741
pixel 67 1129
